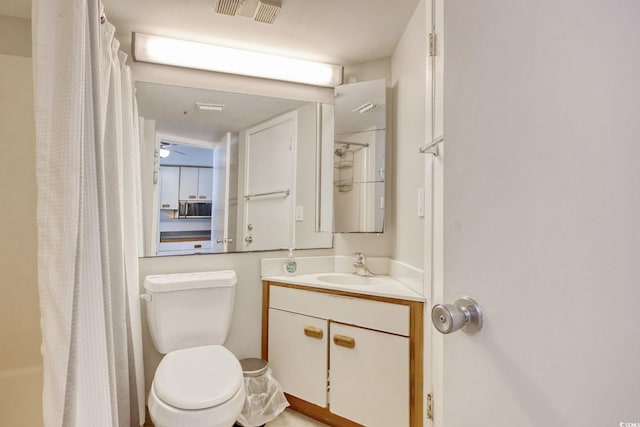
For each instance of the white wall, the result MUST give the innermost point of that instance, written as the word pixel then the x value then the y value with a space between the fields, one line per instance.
pixel 20 360
pixel 408 79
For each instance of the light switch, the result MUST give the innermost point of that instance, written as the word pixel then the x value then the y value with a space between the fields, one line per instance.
pixel 299 213
pixel 420 202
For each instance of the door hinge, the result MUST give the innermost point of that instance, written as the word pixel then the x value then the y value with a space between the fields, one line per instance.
pixel 432 44
pixel 429 406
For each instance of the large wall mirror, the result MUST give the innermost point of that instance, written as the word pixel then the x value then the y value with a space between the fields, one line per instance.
pixel 228 172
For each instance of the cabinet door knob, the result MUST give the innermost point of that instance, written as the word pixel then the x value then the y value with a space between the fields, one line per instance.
pixel 192 197
pixel 202 197
pixel 344 341
pixel 313 332
pixel 197 246
pixel 165 206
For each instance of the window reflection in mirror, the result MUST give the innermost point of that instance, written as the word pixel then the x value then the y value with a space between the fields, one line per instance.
pixel 228 172
pixel 359 156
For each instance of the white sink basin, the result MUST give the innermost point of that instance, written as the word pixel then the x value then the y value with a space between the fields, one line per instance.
pixel 348 279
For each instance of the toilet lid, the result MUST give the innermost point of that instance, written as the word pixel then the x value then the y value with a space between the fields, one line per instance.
pixel 198 378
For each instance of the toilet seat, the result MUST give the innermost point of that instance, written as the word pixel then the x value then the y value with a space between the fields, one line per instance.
pixel 198 378
pixel 197 387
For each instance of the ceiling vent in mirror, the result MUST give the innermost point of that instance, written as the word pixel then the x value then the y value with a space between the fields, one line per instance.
pixel 228 7
pixel 267 11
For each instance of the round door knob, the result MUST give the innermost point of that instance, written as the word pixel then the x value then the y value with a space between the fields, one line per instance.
pixel 464 314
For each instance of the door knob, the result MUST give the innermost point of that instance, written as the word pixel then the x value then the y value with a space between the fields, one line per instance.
pixel 464 314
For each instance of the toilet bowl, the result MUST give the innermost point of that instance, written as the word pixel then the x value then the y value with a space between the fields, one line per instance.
pixel 197 387
pixel 198 383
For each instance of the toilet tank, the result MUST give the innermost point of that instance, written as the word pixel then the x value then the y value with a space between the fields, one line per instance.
pixel 189 309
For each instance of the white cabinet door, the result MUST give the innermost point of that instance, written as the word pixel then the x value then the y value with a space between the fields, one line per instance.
pixel 205 183
pixel 169 182
pixel 188 183
pixel 369 382
pixel 298 360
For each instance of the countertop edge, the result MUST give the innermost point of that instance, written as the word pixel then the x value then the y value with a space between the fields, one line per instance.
pixel 405 293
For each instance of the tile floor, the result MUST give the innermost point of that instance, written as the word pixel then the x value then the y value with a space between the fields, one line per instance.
pixel 291 418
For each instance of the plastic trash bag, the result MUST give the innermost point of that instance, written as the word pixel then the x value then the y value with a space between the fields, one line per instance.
pixel 265 400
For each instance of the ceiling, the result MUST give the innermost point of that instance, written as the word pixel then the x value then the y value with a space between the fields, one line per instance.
pixel 342 32
pixel 174 109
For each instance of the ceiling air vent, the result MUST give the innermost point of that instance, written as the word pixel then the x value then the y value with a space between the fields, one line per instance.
pixel 267 11
pixel 228 7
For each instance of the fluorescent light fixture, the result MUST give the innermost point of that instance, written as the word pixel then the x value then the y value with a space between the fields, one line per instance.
pixel 365 108
pixel 203 106
pixel 201 56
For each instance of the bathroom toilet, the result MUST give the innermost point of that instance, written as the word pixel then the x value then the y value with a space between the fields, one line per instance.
pixel 198 383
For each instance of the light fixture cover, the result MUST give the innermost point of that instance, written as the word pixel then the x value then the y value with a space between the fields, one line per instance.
pixel 201 56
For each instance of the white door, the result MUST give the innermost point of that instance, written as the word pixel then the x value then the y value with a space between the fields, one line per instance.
pixel 542 212
pixel 269 183
pixel 220 218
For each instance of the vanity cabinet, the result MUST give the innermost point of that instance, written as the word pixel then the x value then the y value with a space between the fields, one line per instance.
pixel 344 358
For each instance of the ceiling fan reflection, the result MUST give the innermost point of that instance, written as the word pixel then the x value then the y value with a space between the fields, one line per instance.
pixel 166 150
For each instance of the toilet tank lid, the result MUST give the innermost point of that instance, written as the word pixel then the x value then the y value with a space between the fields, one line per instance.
pixel 183 281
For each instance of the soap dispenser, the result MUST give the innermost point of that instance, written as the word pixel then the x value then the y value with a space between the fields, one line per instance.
pixel 291 266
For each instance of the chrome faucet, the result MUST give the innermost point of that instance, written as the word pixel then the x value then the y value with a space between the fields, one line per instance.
pixel 361 265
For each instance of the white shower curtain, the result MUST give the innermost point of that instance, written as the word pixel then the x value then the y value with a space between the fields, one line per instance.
pixel 87 160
